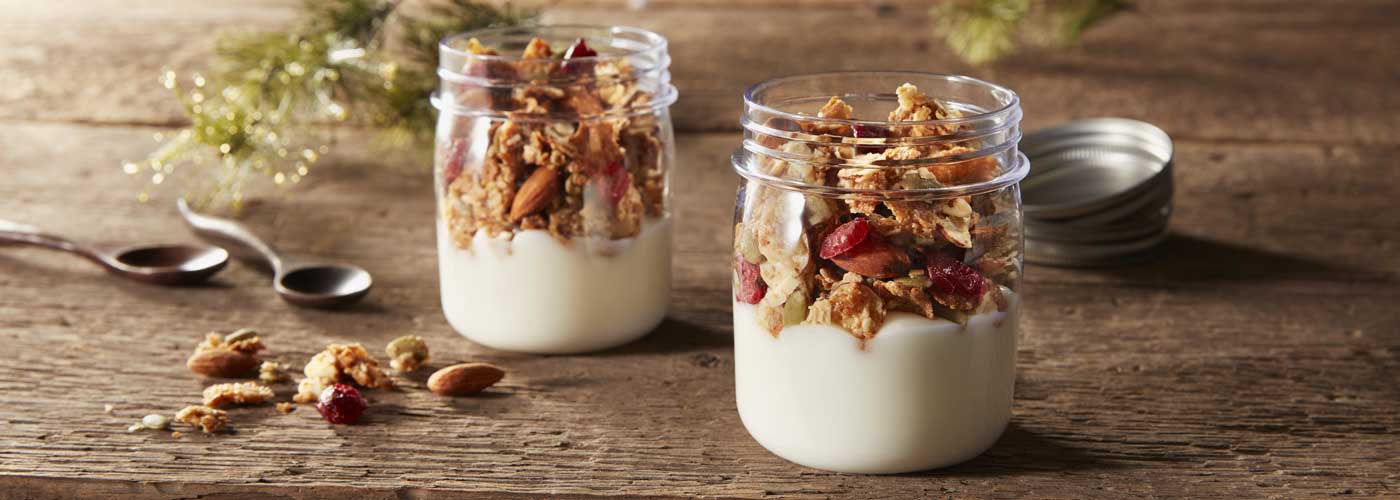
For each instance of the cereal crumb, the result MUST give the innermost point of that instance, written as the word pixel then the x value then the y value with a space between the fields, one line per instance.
pixel 270 372
pixel 286 407
pixel 340 364
pixel 177 434
pixel 206 418
pixel 407 353
pixel 237 393
pixel 135 427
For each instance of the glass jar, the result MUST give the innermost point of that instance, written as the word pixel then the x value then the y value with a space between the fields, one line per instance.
pixel 878 245
pixel 554 149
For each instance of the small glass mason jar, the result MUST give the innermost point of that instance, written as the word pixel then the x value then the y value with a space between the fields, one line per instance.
pixel 554 149
pixel 877 258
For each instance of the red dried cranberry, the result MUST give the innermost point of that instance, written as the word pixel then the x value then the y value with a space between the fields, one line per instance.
pixel 845 237
pixel 613 182
pixel 953 277
pixel 751 285
pixel 862 131
pixel 341 404
pixel 577 50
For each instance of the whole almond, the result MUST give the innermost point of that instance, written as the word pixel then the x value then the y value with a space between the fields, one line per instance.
pixel 874 259
pixel 535 193
pixel 223 363
pixel 464 379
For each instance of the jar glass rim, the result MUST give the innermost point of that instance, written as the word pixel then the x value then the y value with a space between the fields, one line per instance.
pixel 649 41
pixel 1010 102
pixel 1008 177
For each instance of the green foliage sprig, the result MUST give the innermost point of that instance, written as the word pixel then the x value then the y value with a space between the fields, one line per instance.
pixel 982 31
pixel 261 107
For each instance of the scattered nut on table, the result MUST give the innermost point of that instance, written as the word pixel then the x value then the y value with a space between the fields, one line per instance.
pixel 235 355
pixel 464 379
pixel 407 353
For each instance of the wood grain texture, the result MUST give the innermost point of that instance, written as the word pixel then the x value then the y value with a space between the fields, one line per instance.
pixel 1250 361
pixel 1240 70
pixel 1255 356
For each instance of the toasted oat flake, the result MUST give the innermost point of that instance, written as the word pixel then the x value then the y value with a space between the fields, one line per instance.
pixel 235 394
pixel 205 418
pixel 271 372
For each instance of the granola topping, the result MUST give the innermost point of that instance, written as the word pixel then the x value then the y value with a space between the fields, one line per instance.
pixel 849 261
pixel 582 175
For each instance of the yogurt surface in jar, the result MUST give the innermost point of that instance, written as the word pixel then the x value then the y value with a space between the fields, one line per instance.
pixel 921 394
pixel 532 293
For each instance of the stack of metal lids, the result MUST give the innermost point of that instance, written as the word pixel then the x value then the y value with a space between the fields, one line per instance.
pixel 1099 191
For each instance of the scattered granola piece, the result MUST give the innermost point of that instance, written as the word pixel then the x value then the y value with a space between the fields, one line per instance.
pixel 239 393
pixel 135 427
pixel 286 407
pixel 205 418
pixel 271 372
pixel 407 353
pixel 108 409
pixel 337 364
pixel 177 434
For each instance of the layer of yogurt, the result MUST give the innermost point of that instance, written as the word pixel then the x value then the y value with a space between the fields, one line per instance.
pixel 922 394
pixel 535 294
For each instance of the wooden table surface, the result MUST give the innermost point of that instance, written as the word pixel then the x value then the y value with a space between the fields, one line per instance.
pixel 1257 356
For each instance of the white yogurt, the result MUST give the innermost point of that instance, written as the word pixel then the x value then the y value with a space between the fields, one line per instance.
pixel 923 394
pixel 535 294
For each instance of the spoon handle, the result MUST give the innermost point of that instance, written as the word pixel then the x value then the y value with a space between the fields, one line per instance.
pixel 13 232
pixel 231 235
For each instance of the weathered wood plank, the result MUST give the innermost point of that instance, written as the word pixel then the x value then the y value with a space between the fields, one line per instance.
pixel 1256 70
pixel 1257 361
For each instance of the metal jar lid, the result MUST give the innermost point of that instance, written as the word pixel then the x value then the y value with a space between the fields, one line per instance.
pixel 1099 191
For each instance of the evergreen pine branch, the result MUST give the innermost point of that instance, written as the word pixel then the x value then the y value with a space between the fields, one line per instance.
pixel 260 108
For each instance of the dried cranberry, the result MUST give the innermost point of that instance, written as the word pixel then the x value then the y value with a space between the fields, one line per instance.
pixel 845 237
pixel 613 182
pixel 955 278
pixel 751 285
pixel 577 50
pixel 341 404
pixel 862 131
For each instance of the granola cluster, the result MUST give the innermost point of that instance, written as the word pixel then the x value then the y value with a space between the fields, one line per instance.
pixel 850 261
pixel 340 364
pixel 568 158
